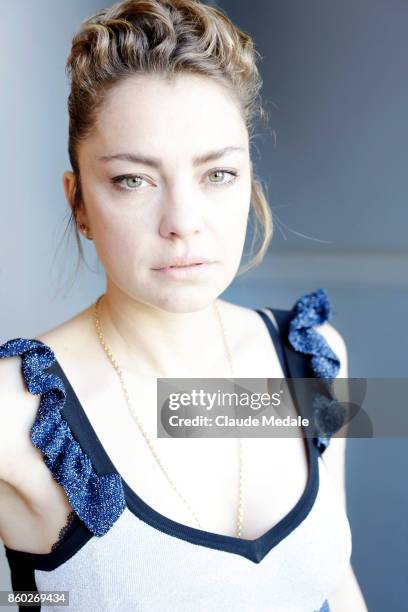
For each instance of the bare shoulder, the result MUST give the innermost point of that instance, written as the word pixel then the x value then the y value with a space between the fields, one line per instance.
pixel 246 319
pixel 70 336
pixel 243 317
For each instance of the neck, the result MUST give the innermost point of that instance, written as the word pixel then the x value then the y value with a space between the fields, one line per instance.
pixel 151 341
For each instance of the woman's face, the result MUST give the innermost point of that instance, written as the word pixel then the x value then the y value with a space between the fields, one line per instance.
pixel 152 193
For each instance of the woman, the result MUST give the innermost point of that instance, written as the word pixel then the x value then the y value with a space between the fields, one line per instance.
pixel 163 97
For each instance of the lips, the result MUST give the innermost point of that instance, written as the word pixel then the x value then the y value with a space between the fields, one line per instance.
pixel 185 273
pixel 186 266
pixel 183 262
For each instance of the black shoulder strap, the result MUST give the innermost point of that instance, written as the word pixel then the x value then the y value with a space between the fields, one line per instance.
pixel 275 334
pixel 298 363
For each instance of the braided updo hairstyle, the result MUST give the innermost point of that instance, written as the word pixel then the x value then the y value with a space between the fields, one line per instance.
pixel 165 37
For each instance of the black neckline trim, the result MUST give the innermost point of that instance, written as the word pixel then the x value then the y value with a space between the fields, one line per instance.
pixel 254 550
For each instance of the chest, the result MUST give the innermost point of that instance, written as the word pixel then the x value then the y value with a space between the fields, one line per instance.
pixel 204 471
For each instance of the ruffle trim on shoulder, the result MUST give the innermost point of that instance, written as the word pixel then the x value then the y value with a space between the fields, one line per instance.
pixel 313 309
pixel 98 500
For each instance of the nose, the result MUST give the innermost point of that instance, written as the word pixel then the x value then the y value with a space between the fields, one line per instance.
pixel 181 217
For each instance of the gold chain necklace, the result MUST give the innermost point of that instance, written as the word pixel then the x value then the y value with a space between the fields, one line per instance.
pixel 146 437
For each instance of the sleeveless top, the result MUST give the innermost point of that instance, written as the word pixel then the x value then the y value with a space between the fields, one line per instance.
pixel 118 553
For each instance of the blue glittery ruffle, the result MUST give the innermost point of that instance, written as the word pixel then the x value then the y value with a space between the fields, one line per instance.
pixel 314 309
pixel 98 500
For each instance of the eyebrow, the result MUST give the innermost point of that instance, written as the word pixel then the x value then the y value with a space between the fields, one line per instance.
pixel 199 160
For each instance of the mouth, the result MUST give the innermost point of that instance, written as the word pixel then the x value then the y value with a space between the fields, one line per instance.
pixel 199 263
pixel 184 272
pixel 183 262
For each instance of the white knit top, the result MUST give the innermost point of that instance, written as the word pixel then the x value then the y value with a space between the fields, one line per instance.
pixel 119 554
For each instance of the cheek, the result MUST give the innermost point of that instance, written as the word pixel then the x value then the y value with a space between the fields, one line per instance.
pixel 117 226
pixel 121 244
pixel 235 222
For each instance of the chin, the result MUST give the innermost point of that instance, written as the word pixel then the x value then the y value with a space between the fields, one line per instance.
pixel 187 301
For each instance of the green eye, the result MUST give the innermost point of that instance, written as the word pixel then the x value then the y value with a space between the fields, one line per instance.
pixel 222 173
pixel 132 181
pixel 219 172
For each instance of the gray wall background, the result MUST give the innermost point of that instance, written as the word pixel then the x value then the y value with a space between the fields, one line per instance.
pixel 334 164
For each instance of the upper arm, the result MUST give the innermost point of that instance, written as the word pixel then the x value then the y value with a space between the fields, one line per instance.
pixel 18 408
pixel 334 456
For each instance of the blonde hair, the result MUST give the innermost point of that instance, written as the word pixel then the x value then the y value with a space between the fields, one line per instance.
pixel 165 37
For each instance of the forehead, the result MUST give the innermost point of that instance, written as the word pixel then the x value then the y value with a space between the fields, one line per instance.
pixel 188 113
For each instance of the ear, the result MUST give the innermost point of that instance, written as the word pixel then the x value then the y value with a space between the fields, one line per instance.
pixel 69 184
